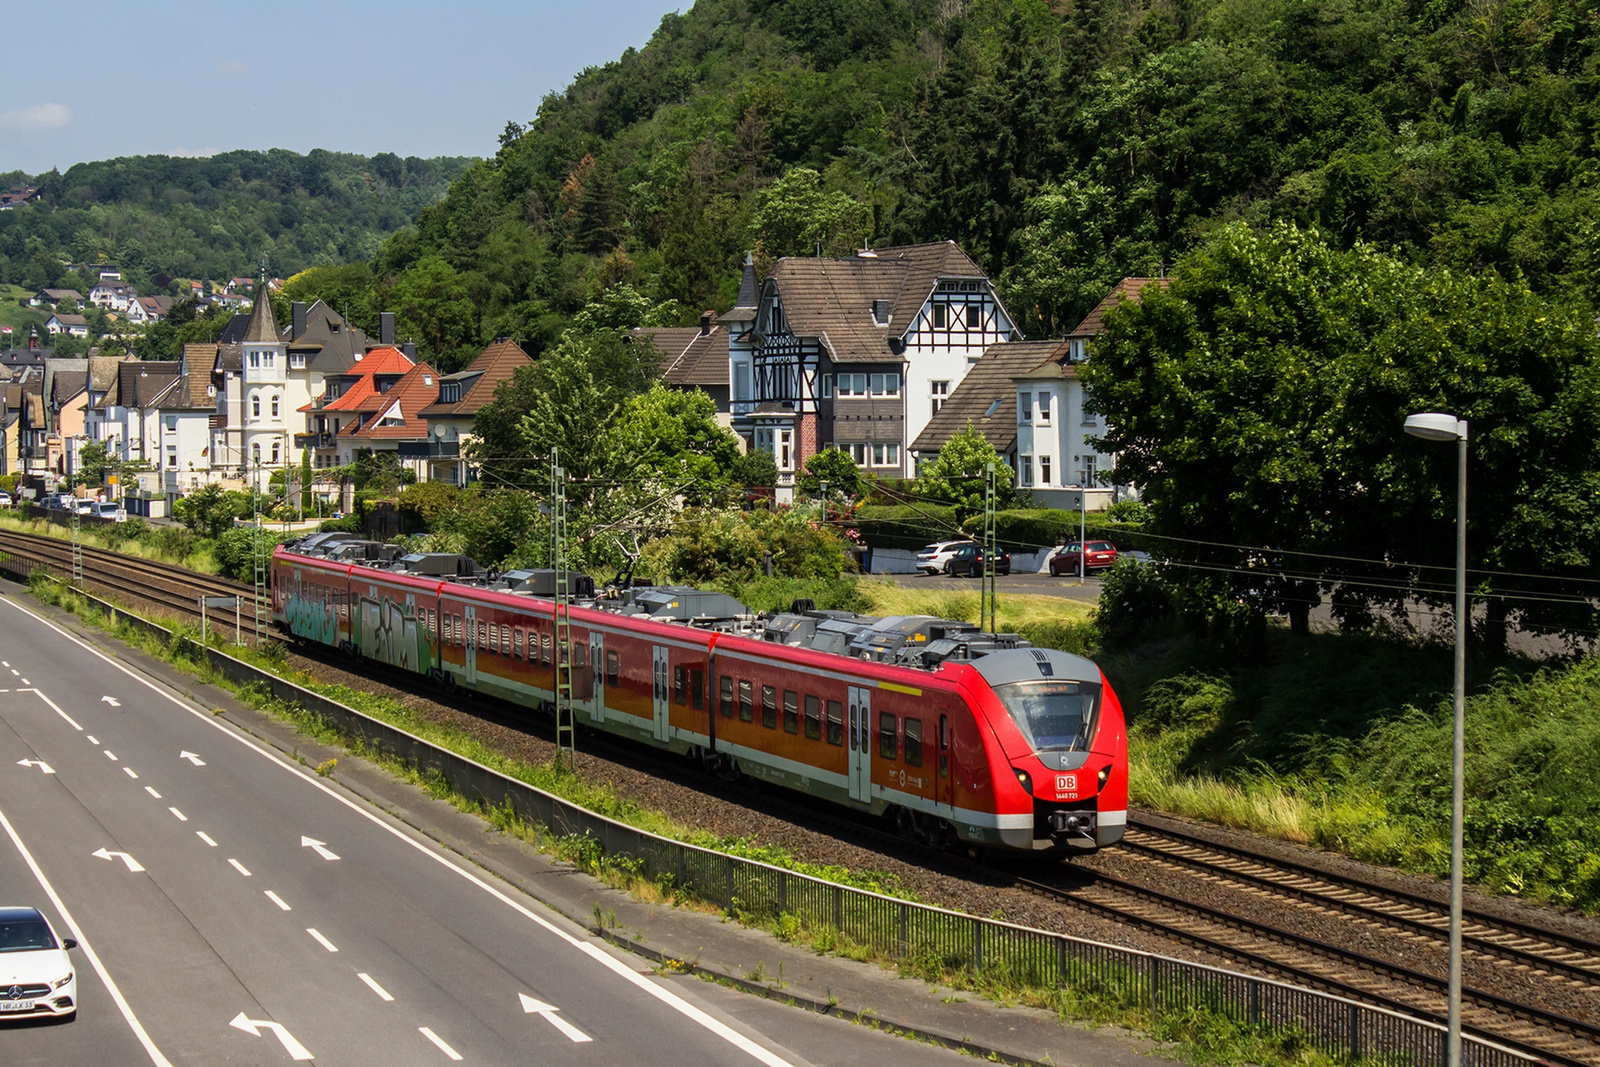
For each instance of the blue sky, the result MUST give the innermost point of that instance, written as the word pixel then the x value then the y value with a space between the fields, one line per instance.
pixel 106 79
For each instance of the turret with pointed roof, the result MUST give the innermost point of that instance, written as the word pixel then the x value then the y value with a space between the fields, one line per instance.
pixel 263 326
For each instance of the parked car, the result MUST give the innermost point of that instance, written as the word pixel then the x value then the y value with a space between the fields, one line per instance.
pixel 967 560
pixel 36 975
pixel 1071 559
pixel 110 509
pixel 5 499
pixel 931 560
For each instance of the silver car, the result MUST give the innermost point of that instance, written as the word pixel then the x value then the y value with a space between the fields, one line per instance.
pixel 931 560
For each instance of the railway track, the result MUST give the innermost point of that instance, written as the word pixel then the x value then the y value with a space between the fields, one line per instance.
pixel 174 589
pixel 1217 928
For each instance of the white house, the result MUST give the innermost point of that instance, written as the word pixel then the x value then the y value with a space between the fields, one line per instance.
pixel 111 294
pixel 72 325
pixel 142 309
pixel 184 411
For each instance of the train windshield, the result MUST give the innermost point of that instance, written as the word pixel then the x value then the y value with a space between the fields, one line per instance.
pixel 1052 713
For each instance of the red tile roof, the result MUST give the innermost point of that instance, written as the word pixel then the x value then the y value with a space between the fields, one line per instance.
pixel 404 400
pixel 357 395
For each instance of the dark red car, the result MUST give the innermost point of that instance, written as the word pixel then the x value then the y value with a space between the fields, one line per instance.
pixel 1069 558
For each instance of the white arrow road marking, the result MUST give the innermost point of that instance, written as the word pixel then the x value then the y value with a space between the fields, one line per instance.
pixel 320 847
pixel 113 701
pixel 239 867
pixel 39 763
pixel 156 1058
pixel 192 758
pixel 437 1040
pixel 295 1049
pixel 539 1007
pixel 180 816
pixel 133 864
pixel 206 838
pixel 276 899
pixel 383 994
pixel 324 942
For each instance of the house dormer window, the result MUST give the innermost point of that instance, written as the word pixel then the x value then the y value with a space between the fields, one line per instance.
pixel 940 316
pixel 297 362
pixel 450 392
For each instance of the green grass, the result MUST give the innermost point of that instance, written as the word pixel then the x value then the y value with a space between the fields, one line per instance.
pixel 159 544
pixel 18 316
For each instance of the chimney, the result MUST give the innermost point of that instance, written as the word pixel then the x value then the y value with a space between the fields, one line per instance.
pixel 386 328
pixel 706 320
pixel 410 349
pixel 297 319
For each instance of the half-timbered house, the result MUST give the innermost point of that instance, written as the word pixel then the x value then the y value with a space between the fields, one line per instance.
pixel 859 352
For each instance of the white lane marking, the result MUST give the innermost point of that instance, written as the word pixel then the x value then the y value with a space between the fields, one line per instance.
pixel 295 1049
pixel 206 838
pixel 383 994
pixel 276 899
pixel 110 755
pixel 180 816
pixel 57 709
pixel 539 1007
pixel 239 867
pixel 133 865
pixel 3 663
pixel 319 846
pixel 131 772
pixel 26 682
pixel 113 701
pixel 88 950
pixel 39 763
pixel 16 672
pixel 437 1040
pixel 192 758
pixel 324 942
pixel 152 791
pixel 618 967
pixel 93 740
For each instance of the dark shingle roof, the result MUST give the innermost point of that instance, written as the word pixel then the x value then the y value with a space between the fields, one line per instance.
pixel 482 376
pixel 1126 289
pixel 975 399
pixel 689 357
pixel 262 329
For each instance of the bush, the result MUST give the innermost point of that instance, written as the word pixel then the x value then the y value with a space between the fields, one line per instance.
pixel 348 524
pixel 1134 600
pixel 171 541
pixel 710 546
pixel 778 594
pixel 907 525
pixel 1134 512
pixel 234 551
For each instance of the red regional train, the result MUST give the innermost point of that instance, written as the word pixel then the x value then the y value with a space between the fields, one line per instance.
pixel 960 737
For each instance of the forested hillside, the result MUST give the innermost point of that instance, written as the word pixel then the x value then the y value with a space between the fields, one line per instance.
pixel 161 217
pixel 1063 143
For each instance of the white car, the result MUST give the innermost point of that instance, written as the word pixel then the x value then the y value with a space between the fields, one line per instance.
pixel 110 509
pixel 5 499
pixel 37 978
pixel 931 560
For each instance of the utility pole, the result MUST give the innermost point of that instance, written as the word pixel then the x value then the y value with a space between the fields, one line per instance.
pixel 257 547
pixel 986 608
pixel 566 728
pixel 77 547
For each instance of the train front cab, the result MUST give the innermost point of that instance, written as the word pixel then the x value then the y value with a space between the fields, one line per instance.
pixel 1062 782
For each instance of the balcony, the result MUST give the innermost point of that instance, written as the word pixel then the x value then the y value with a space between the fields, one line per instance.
pixel 313 440
pixel 429 449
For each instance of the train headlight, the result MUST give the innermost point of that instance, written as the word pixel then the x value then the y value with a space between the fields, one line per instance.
pixel 1025 780
pixel 1105 772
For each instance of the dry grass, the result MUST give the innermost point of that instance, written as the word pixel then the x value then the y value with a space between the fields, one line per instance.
pixel 889 597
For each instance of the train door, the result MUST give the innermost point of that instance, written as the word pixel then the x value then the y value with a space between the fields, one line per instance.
pixel 469 650
pixel 661 692
pixel 860 730
pixel 943 793
pixel 597 664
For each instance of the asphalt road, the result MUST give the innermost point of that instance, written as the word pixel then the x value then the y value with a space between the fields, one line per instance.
pixel 1066 586
pixel 234 907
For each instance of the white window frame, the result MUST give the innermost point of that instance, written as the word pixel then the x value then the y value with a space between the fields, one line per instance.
pixel 938 393
pixel 1044 470
pixel 1025 408
pixel 886 384
pixel 852 384
pixel 1044 409
pixel 858 452
pixel 1025 470
pixel 886 453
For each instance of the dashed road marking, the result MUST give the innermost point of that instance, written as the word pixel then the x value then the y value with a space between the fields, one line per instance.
pixel 152 791
pixel 276 899
pixel 180 816
pixel 131 773
pixel 437 1040
pixel 383 994
pixel 204 837
pixel 324 942
pixel 239 867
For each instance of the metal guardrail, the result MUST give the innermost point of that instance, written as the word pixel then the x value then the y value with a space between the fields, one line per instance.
pixel 893 928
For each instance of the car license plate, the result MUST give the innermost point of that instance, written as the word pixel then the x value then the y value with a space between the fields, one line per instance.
pixel 16 1005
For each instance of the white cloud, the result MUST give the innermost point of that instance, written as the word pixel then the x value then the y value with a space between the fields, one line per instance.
pixel 231 69
pixel 191 153
pixel 38 117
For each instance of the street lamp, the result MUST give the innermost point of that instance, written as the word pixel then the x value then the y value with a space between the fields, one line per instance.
pixel 1435 426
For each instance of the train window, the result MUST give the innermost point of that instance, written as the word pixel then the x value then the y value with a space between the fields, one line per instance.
pixel 913 742
pixel 613 667
pixel 791 711
pixel 888 735
pixel 697 688
pixel 747 701
pixel 727 696
pixel 432 623
pixel 505 640
pixel 483 634
pixel 494 638
pixel 680 685
pixel 544 650
pixel 813 718
pixel 516 642
pixel 835 723
pixel 769 707
pixel 580 654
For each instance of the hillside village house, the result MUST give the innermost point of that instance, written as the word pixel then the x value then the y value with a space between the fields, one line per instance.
pixel 858 352
pixel 112 294
pixel 72 325
pixel 449 418
pixel 143 309
pixel 1029 403
pixel 51 297
pixel 396 421
pixel 348 401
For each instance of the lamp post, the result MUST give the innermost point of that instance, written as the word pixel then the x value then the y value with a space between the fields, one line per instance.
pixel 1434 426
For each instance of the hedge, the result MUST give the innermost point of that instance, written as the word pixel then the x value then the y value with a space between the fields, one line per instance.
pixel 1028 529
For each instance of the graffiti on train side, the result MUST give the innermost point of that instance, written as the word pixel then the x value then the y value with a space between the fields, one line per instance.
pixel 390 634
pixel 313 620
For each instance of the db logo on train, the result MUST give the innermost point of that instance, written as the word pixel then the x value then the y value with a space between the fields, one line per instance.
pixel 1066 783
